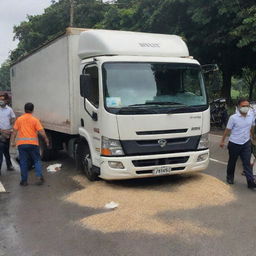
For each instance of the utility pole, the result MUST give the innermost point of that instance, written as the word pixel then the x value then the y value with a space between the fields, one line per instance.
pixel 71 22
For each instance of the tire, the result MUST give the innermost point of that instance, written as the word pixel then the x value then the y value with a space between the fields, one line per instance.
pixel 84 161
pixel 47 153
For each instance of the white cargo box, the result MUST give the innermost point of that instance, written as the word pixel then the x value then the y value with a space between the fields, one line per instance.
pixel 49 76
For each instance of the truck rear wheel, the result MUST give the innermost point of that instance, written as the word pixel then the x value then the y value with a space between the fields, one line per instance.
pixel 84 161
pixel 46 153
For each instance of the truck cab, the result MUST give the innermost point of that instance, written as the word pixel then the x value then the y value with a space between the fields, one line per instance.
pixel 143 106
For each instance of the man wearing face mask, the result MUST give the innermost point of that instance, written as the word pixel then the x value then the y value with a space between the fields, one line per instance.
pixel 240 126
pixel 7 118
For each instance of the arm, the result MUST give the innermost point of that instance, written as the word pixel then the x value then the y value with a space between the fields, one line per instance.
pixel 226 133
pixel 13 137
pixel 5 131
pixel 43 134
pixel 252 132
pixel 12 117
pixel 12 120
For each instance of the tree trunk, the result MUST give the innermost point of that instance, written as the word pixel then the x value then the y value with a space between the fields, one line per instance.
pixel 226 88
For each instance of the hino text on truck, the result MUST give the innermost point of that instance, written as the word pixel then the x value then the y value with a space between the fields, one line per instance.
pixel 123 104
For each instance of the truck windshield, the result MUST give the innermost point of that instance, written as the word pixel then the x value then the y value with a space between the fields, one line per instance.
pixel 153 87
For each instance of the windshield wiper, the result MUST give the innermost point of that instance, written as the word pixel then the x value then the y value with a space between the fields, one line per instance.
pixel 164 103
pixel 186 108
pixel 136 109
pixel 144 108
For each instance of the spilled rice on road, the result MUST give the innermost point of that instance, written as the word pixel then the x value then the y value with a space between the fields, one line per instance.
pixel 153 206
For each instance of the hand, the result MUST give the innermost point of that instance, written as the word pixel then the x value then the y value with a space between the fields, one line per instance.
pixel 13 144
pixel 222 144
pixel 47 142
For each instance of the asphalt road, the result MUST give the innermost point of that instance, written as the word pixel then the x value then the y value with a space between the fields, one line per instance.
pixel 191 215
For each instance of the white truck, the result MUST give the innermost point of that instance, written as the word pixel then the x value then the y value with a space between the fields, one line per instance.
pixel 123 104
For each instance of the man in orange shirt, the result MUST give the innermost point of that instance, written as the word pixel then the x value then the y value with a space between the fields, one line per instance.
pixel 25 131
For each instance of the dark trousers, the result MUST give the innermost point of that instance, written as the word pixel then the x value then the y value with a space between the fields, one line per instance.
pixel 4 150
pixel 244 151
pixel 26 153
pixel 1 154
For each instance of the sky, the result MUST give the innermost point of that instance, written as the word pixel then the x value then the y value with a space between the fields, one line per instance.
pixel 13 12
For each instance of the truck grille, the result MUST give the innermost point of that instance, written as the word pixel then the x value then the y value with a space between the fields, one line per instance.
pixel 155 142
pixel 152 147
pixel 161 161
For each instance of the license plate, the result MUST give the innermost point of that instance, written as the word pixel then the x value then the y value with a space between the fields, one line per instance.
pixel 162 170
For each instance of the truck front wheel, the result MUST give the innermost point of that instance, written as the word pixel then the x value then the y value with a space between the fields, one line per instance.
pixel 84 161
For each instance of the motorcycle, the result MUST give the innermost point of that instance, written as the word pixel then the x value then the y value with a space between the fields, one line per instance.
pixel 219 113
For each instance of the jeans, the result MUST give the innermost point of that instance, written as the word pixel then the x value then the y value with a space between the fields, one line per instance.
pixel 244 151
pixel 4 150
pixel 27 152
pixel 7 153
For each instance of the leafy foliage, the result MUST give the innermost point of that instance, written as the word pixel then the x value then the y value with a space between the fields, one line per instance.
pixel 249 78
pixel 217 31
pixel 5 76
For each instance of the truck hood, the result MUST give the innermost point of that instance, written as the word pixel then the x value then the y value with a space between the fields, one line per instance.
pixel 160 126
pixel 160 134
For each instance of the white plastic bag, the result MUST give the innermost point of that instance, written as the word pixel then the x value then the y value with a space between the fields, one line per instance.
pixel 253 163
pixel 54 168
pixel 111 205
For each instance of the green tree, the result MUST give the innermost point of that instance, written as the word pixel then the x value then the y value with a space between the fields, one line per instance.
pixel 41 28
pixel 5 76
pixel 217 31
pixel 89 13
pixel 246 30
pixel 249 78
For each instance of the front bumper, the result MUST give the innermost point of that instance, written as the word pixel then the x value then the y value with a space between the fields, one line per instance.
pixel 188 163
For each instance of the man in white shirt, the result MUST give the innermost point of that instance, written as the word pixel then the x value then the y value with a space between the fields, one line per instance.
pixel 7 118
pixel 241 127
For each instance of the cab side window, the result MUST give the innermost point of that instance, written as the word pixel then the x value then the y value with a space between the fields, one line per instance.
pixel 94 97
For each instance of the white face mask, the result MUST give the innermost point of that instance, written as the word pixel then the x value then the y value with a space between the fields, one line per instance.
pixel 244 110
pixel 2 103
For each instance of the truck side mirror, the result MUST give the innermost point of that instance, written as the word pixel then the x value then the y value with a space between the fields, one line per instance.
pixel 209 68
pixel 85 85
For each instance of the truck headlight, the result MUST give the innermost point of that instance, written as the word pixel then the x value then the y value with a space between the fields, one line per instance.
pixel 204 142
pixel 111 147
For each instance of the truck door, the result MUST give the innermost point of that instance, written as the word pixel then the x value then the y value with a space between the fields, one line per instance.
pixel 90 110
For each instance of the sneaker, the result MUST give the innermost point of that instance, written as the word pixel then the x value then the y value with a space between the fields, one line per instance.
pixel 40 181
pixel 230 181
pixel 10 168
pixel 23 183
pixel 251 184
